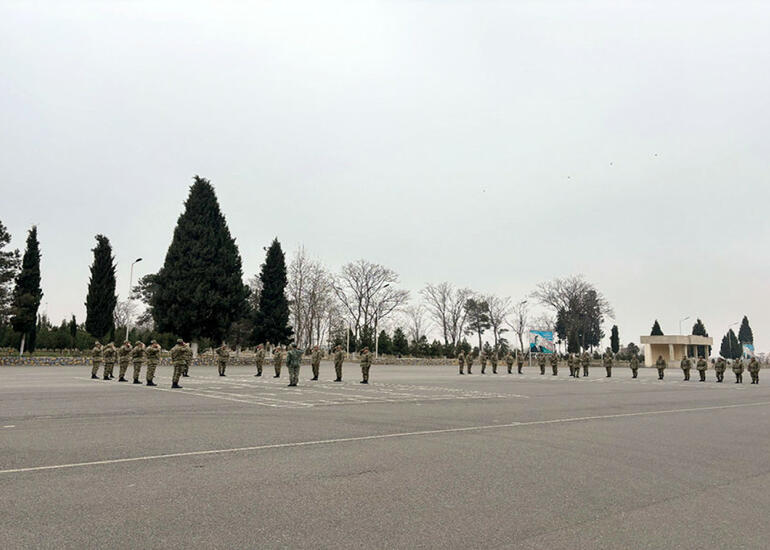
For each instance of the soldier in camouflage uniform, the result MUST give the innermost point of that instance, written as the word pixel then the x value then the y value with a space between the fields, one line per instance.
pixel 509 362
pixel 366 364
pixel 315 361
pixel 178 359
pixel 461 361
pixel 96 359
pixel 110 355
pixel 585 361
pixel 137 358
pixel 293 360
pixel 686 365
pixel 541 362
pixel 519 361
pixel 223 354
pixel 483 361
pixel 572 363
pixel 493 361
pixel 661 365
pixel 608 361
pixel 153 358
pixel 633 364
pixel 469 361
pixel 738 370
pixel 719 369
pixel 259 358
pixel 701 366
pixel 188 357
pixel 555 364
pixel 124 358
pixel 277 361
pixel 339 358
pixel 754 370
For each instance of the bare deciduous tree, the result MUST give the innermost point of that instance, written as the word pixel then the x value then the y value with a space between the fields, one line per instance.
pixel 519 321
pixel 446 306
pixel 559 294
pixel 417 324
pixel 498 310
pixel 311 299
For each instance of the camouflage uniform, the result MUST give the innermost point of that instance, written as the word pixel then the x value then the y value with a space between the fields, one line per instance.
pixel 519 361
pixel 153 358
pixel 702 365
pixel 110 354
pixel 137 358
pixel 608 360
pixel 469 361
pixel 223 354
pixel 754 370
pixel 634 366
pixel 339 358
pixel 277 361
pixel 509 362
pixel 293 360
pixel 686 365
pixel 555 364
pixel 366 364
pixel 315 362
pixel 661 365
pixel 124 358
pixel 259 358
pixel 572 363
pixel 179 360
pixel 719 368
pixel 585 361
pixel 188 357
pixel 483 361
pixel 738 371
pixel 461 361
pixel 493 361
pixel 541 363
pixel 96 359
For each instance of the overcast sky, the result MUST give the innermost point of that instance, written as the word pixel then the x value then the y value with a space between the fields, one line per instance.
pixel 491 144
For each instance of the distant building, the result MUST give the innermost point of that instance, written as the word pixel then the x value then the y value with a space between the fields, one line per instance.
pixel 672 348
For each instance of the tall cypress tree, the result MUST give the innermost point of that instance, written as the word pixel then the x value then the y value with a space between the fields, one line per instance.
pixel 27 294
pixel 731 348
pixel 272 318
pixel 745 334
pixel 9 265
pixel 656 331
pixel 615 339
pixel 101 298
pixel 699 329
pixel 199 291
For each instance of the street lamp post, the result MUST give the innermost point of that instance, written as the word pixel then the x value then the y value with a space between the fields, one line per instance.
pixel 680 324
pixel 729 340
pixel 130 284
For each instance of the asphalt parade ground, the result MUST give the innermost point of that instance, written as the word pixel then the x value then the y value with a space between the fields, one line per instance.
pixel 419 458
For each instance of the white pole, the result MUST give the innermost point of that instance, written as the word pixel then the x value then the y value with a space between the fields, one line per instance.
pixel 128 308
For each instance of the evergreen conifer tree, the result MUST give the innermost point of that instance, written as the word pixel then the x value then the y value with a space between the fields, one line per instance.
pixel 699 329
pixel 615 339
pixel 9 266
pixel 400 343
pixel 731 348
pixel 27 293
pixel 656 331
pixel 745 334
pixel 199 291
pixel 272 318
pixel 101 298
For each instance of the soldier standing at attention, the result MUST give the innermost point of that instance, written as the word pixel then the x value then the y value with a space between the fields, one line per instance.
pixel 277 361
pixel 661 365
pixel 519 360
pixel 541 362
pixel 493 361
pixel 293 359
pixel 686 365
pixel 483 361
pixel 153 358
pixel 585 361
pixel 366 364
pixel 178 359
pixel 339 358
pixel 110 354
pixel 137 358
pixel 223 354
pixel 702 365
pixel 608 363
pixel 469 361
pixel 738 370
pixel 719 368
pixel 259 357
pixel 555 364
pixel 461 361
pixel 188 357
pixel 96 359
pixel 634 365
pixel 315 361
pixel 754 370
pixel 124 357
pixel 571 364
pixel 509 362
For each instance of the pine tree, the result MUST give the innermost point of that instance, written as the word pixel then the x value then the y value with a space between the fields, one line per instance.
pixel 699 329
pixel 9 266
pixel 199 291
pixel 400 343
pixel 615 339
pixel 73 328
pixel 745 335
pixel 272 318
pixel 384 343
pixel 731 348
pixel 101 298
pixel 27 293
pixel 656 329
pixel 477 317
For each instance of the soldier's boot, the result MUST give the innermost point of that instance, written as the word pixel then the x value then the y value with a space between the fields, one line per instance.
pixel 175 386
pixel 136 381
pixel 106 377
pixel 494 370
pixel 555 372
pixel 461 371
pixel 609 372
pixel 634 374
pixel 703 376
pixel 542 370
pixel 585 371
pixel 469 370
pixel 519 369
pixel 94 377
pixel 510 370
pixel 121 379
pixel 483 370
pixel 151 383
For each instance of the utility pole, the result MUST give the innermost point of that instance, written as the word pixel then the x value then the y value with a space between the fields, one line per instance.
pixel 130 285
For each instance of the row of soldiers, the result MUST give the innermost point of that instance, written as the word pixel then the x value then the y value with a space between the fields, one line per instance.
pixel 181 357
pixel 575 361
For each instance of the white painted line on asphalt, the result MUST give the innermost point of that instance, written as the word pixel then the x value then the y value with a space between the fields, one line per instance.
pixel 9 426
pixel 374 437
